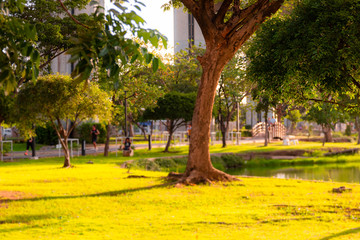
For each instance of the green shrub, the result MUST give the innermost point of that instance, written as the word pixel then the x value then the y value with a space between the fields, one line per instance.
pixel 314 153
pixel 46 135
pixel 232 161
pixel 248 127
pixel 218 163
pixel 84 130
pixel 180 161
pixel 246 133
pixel 6 148
pixel 165 163
pixel 348 130
pixel 337 135
pixel 144 164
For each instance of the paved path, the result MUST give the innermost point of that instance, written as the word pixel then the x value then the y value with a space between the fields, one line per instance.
pixel 53 152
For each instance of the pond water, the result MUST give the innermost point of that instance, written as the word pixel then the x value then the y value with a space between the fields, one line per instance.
pixel 335 172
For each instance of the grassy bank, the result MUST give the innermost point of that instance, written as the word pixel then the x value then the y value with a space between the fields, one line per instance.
pixel 235 157
pixel 40 200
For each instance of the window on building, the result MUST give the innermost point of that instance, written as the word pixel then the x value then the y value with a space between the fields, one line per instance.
pixel 191 30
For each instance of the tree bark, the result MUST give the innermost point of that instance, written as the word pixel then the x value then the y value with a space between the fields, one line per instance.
pixel 65 146
pixel 169 138
pixel 142 130
pixel 357 127
pixel 266 130
pixel 223 139
pixel 131 130
pixel 199 167
pixel 107 142
pixel 327 134
pixel 1 138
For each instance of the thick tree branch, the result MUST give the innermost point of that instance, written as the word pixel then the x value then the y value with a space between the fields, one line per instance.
pixel 193 6
pixel 224 8
pixel 241 27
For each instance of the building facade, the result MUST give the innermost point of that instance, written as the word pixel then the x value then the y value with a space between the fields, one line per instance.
pixel 186 31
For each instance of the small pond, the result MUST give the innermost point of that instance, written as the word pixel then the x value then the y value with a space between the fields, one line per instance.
pixel 335 172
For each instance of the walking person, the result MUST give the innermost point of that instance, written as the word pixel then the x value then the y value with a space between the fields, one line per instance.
pixel 29 144
pixel 189 131
pixel 94 133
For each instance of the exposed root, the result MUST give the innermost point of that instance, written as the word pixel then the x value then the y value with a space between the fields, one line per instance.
pixel 174 177
pixel 197 177
pixel 71 166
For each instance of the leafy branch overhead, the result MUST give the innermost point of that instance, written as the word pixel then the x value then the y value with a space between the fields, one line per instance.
pixel 19 58
pixel 110 42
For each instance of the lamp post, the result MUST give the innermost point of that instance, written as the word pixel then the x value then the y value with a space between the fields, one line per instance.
pixel 125 114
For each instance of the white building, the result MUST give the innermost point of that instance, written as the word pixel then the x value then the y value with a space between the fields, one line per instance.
pixel 186 30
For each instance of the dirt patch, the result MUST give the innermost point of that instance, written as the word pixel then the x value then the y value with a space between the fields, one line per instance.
pixel 11 195
pixel 6 196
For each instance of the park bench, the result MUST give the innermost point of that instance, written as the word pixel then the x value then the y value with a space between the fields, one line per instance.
pixel 288 139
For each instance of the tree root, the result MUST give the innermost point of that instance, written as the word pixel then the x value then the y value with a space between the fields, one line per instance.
pixel 196 177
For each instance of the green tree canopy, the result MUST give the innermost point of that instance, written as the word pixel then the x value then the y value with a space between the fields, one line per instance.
pixel 176 108
pixel 326 115
pixel 311 53
pixel 59 99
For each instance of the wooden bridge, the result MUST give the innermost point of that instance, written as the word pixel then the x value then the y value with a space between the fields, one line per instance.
pixel 276 130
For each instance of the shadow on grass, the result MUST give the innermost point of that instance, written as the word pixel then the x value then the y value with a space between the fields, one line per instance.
pixel 343 233
pixel 104 194
pixel 24 218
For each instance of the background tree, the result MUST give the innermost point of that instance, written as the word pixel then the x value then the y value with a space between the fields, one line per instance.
pixel 59 99
pixel 186 71
pixel 137 80
pixel 225 27
pixel 294 116
pixel 326 115
pixel 314 50
pixel 233 88
pixel 176 108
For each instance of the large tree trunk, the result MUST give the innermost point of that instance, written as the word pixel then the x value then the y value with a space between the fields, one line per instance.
pixel 107 142
pixel 223 39
pixel 199 167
